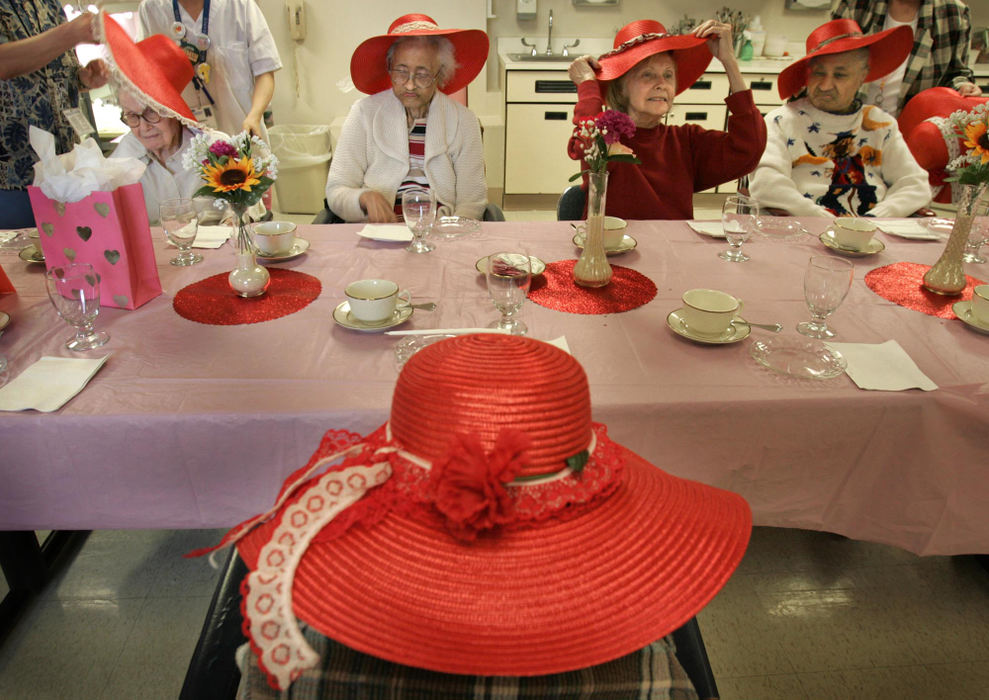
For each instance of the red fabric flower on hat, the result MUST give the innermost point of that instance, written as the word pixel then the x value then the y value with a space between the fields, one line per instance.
pixel 468 485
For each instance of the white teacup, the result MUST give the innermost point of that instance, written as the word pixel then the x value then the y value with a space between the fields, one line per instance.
pixel 980 303
pixel 374 300
pixel 708 311
pixel 853 232
pixel 274 238
pixel 614 231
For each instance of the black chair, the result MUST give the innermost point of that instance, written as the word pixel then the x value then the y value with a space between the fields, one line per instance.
pixel 492 212
pixel 570 206
pixel 213 673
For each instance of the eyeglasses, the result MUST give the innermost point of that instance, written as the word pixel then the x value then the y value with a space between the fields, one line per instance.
pixel 421 78
pixel 132 120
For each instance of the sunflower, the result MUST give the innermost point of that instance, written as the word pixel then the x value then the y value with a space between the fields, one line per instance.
pixel 978 139
pixel 234 175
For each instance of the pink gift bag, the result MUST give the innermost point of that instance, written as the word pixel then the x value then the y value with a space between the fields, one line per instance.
pixel 108 230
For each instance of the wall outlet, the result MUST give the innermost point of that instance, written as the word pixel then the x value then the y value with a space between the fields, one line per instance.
pixel 525 9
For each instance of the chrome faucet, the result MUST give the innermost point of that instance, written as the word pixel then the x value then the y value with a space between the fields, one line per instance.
pixel 549 36
pixel 528 45
pixel 567 47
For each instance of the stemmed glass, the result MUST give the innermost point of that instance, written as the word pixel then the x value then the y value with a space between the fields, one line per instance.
pixel 419 210
pixel 74 291
pixel 738 216
pixel 826 282
pixel 180 221
pixel 978 236
pixel 509 275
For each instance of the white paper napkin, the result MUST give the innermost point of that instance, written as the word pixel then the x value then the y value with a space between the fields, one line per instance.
pixel 909 228
pixel 393 233
pixel 882 366
pixel 49 383
pixel 561 343
pixel 714 229
pixel 212 236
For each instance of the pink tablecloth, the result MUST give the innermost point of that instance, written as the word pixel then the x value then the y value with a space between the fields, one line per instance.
pixel 190 425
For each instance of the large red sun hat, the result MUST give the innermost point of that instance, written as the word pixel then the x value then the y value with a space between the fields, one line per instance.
pixel 643 38
pixel 489 527
pixel 155 69
pixel 887 50
pixel 369 66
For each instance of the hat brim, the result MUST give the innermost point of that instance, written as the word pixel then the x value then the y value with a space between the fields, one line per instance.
pixel 142 76
pixel 887 50
pixel 690 53
pixel 368 65
pixel 557 596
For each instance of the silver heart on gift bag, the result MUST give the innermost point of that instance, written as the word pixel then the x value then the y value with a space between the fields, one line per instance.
pixel 112 256
pixel 102 208
pixel 60 208
pixel 69 253
pixel 91 279
pixel 85 233
pixel 48 229
pixel 121 300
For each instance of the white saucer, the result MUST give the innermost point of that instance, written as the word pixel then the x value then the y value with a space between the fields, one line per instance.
pixel 626 244
pixel 536 265
pixel 875 246
pixel 344 318
pixel 734 334
pixel 963 310
pixel 300 246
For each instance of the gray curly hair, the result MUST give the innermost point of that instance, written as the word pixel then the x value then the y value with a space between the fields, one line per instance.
pixel 444 54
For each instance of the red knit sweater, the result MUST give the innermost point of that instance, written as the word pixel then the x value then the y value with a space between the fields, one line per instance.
pixel 676 160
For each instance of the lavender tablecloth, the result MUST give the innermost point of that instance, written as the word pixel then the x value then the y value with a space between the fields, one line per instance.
pixel 191 425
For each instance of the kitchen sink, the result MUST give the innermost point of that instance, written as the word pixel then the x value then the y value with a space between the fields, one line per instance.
pixel 539 57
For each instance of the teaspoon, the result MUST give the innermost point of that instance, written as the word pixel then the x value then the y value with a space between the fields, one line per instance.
pixel 774 327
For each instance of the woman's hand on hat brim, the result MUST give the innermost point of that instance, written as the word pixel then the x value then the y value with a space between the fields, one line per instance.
pixel 583 69
pixel 719 39
pixel 94 74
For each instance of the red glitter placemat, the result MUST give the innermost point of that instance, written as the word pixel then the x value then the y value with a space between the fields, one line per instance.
pixel 902 283
pixel 557 290
pixel 212 301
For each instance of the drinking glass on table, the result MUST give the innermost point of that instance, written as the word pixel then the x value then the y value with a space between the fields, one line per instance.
pixel 826 282
pixel 978 236
pixel 419 210
pixel 74 291
pixel 180 221
pixel 508 276
pixel 738 217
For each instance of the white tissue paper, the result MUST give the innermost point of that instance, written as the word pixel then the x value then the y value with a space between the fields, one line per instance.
pixel 77 174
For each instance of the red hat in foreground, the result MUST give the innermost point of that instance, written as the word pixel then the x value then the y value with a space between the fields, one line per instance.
pixel 155 69
pixel 887 50
pixel 369 67
pixel 488 528
pixel 643 38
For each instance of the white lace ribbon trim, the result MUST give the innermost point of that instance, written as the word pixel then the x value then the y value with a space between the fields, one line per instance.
pixel 418 25
pixel 268 606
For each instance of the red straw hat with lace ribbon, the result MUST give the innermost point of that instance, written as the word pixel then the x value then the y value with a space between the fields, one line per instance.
pixel 887 50
pixel 369 64
pixel 490 527
pixel 155 69
pixel 643 38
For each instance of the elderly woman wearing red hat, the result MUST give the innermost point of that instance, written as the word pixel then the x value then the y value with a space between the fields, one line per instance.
pixel 408 133
pixel 640 77
pixel 827 153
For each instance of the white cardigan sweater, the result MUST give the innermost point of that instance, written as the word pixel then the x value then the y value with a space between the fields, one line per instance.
pixel 821 164
pixel 373 154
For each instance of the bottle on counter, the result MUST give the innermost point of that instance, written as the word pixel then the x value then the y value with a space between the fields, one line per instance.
pixel 757 35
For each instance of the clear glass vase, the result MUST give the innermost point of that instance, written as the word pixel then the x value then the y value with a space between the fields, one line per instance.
pixel 248 279
pixel 947 275
pixel 592 268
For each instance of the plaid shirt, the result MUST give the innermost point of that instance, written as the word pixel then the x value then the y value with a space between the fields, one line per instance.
pixel 940 45
pixel 652 672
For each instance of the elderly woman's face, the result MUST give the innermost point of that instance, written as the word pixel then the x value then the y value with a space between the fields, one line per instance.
pixel 834 80
pixel 156 137
pixel 650 87
pixel 413 75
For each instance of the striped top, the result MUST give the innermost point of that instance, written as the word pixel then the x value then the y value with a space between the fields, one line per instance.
pixel 415 179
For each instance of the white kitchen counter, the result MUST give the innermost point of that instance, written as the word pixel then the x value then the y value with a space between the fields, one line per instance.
pixel 762 65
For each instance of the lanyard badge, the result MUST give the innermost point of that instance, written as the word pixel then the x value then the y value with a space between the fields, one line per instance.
pixel 194 46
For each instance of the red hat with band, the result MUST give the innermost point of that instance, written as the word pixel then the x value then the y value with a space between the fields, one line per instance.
pixel 643 38
pixel 155 69
pixel 489 527
pixel 887 50
pixel 369 64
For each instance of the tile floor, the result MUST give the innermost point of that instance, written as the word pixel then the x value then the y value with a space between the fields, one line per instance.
pixel 807 615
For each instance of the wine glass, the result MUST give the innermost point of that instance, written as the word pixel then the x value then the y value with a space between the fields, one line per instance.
pixel 826 282
pixel 180 221
pixel 508 276
pixel 74 291
pixel 419 210
pixel 978 236
pixel 738 216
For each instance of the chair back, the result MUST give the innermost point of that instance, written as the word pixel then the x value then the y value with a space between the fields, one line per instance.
pixel 570 206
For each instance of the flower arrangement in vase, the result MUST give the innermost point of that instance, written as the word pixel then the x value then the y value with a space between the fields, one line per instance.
pixel 237 170
pixel 970 171
pixel 600 143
